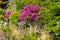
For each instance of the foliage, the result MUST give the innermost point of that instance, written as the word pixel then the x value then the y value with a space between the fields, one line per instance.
pixel 14 17
pixel 1 11
pixel 49 18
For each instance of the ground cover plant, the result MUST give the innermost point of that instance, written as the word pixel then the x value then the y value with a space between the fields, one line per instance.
pixel 29 19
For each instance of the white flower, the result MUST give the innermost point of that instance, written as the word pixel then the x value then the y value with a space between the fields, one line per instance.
pixel 1 21
pixel 5 23
pixel 27 28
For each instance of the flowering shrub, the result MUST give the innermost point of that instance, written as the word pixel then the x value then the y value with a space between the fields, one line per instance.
pixel 47 26
pixel 8 13
pixel 29 13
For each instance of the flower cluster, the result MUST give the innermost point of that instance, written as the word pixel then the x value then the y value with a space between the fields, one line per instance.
pixel 8 13
pixel 29 13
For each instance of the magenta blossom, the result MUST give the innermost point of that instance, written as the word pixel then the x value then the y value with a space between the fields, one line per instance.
pixel 29 13
pixel 8 13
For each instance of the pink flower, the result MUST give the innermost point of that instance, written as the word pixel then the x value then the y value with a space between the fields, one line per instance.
pixel 29 13
pixel 8 13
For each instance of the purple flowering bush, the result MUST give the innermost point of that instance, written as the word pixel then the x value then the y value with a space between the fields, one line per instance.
pixel 29 13
pixel 7 13
pixel 14 25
